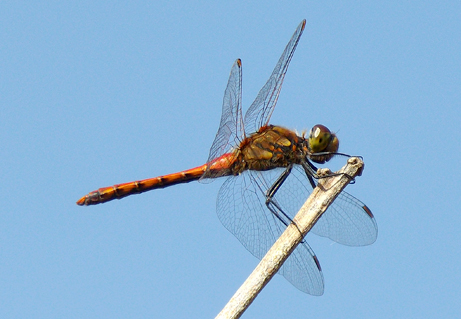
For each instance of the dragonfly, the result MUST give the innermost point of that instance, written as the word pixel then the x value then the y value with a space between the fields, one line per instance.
pixel 270 173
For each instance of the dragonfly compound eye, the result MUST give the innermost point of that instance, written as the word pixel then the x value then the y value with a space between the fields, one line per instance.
pixel 319 138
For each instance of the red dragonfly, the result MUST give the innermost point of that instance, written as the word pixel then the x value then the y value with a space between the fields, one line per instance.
pixel 270 173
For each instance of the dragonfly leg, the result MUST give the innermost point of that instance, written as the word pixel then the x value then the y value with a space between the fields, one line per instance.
pixel 272 204
pixel 334 154
pixel 311 171
pixel 340 154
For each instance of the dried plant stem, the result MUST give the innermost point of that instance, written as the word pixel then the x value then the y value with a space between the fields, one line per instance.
pixel 322 196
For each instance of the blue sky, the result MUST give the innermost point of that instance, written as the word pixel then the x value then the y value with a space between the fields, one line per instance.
pixel 94 94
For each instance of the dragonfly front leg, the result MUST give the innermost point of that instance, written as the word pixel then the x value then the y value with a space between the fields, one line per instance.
pixel 311 172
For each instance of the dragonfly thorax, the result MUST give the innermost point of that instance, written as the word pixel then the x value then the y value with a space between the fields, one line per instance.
pixel 270 147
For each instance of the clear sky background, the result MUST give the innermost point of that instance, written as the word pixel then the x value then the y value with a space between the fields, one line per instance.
pixel 94 94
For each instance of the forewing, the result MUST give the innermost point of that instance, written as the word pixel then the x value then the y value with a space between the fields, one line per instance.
pixel 346 221
pixel 230 131
pixel 242 210
pixel 261 109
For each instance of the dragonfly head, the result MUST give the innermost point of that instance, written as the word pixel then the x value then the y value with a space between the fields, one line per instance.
pixel 321 140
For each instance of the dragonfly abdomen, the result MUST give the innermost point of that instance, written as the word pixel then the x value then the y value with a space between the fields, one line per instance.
pixel 119 191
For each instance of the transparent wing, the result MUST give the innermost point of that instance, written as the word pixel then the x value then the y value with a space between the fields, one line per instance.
pixel 230 131
pixel 261 109
pixel 242 210
pixel 347 221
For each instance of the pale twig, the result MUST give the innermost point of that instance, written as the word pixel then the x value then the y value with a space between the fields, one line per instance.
pixel 322 196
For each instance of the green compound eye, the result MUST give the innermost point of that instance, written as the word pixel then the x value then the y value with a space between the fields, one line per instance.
pixel 320 138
